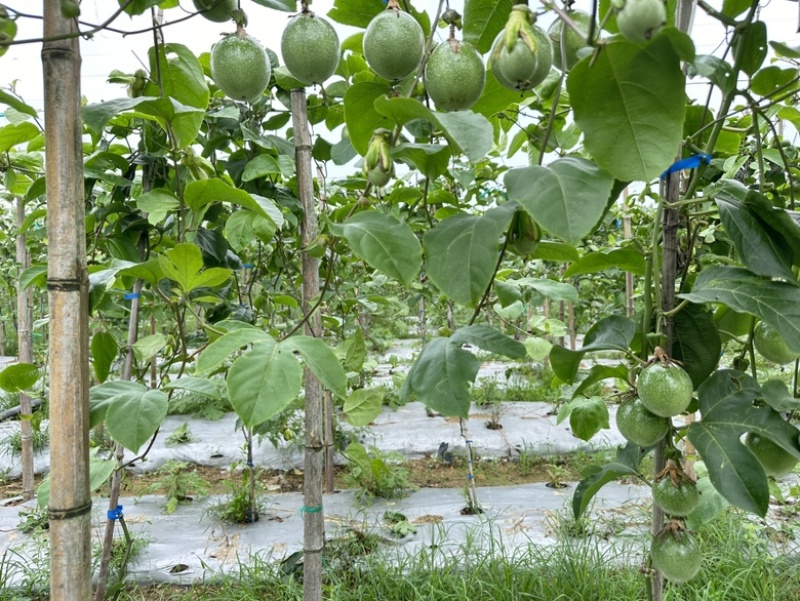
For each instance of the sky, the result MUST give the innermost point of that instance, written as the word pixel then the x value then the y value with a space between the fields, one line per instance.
pixel 106 51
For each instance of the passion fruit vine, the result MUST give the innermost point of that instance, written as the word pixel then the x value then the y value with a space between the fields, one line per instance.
pixel 240 66
pixel 393 43
pixel 454 75
pixel 522 54
pixel 310 48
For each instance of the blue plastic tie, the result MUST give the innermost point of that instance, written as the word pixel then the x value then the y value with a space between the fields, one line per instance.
pixel 115 514
pixel 470 477
pixel 247 266
pixel 692 162
pixel 132 295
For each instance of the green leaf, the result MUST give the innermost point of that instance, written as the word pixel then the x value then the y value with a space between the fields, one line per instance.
pixel 696 342
pixel 785 50
pixel 587 416
pixel 11 135
pixel 727 403
pixel 157 204
pixel 466 131
pixel 598 373
pixel 555 251
pixel 34 275
pixel 734 8
pixel 100 471
pixel 104 351
pixel 217 352
pixel 212 388
pixel 461 256
pixel 761 249
pixel 239 229
pixel 19 376
pixel 263 381
pixel 180 77
pixel 483 20
pixel 357 13
pixel 431 160
pixel 489 339
pixel 770 79
pixel 441 376
pixel 134 416
pixel 777 396
pixel 360 114
pixel 752 45
pixel 567 198
pixel 716 70
pixel 626 463
pixel 611 333
pixel 282 5
pixel 148 347
pixel 537 348
pixel 200 193
pixel 183 264
pixel 777 303
pixel 321 360
pixel 630 104
pixel 710 506
pixel 11 100
pixel 627 259
pixel 559 291
pixel 355 351
pixel 363 406
pixel 266 165
pixel 386 243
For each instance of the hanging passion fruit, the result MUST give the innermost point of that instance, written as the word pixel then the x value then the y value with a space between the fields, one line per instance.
pixel 310 48
pixel 393 43
pixel 455 76
pixel 573 41
pixel 218 11
pixel 240 66
pixel 640 20
pixel 522 54
pixel 378 166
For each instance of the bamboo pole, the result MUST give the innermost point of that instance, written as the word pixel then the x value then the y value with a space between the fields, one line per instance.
pixel 313 517
pixel 69 510
pixel 25 354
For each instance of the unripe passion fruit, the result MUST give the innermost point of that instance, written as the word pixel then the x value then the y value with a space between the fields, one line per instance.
pixel 677 555
pixel 522 67
pixel 771 345
pixel 393 44
pixel 676 499
pixel 777 462
pixel 310 48
pixel 523 234
pixel 240 66
pixel 665 390
pixel 574 41
pixel 638 425
pixel 218 11
pixel 454 76
pixel 640 20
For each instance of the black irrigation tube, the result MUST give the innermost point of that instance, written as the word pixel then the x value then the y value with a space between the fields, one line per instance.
pixel 15 411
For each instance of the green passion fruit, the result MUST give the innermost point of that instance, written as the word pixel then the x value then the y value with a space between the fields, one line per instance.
pixel 310 48
pixel 676 553
pixel 393 44
pixel 522 54
pixel 218 11
pixel 454 76
pixel 640 20
pixel 665 389
pixel 771 345
pixel 240 66
pixel 523 234
pixel 777 462
pixel 573 41
pixel 677 499
pixel 638 425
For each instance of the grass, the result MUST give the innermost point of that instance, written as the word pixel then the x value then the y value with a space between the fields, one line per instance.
pixel 738 566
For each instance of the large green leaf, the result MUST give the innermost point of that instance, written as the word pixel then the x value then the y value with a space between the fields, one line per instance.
pixel 613 333
pixel 441 376
pixel 217 352
pixel 321 360
pixel 777 303
pixel 266 165
pixel 184 265
pixel 626 463
pixel 751 44
pixel 696 342
pixel 466 131
pixel 157 204
pixel 567 198
pixel 431 160
pixel 104 352
pixel 200 193
pixel 148 347
pixel 9 99
pixel 134 416
pixel 489 339
pixel 360 115
pixel 626 259
pixel 598 373
pixel 587 416
pixel 483 20
pixel 630 104
pixel 727 403
pixel 263 381
pixel 180 76
pixel 363 406
pixel 357 13
pixel 211 388
pixel 461 254
pixel 385 242
pixel 559 291
pixel 19 376
pixel 11 135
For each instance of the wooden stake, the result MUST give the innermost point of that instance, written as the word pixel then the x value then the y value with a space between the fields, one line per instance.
pixel 24 355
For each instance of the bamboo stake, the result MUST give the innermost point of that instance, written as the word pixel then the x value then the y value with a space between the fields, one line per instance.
pixel 25 355
pixel 70 504
pixel 313 517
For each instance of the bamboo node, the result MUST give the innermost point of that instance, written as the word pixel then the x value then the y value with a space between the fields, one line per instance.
pixel 68 514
